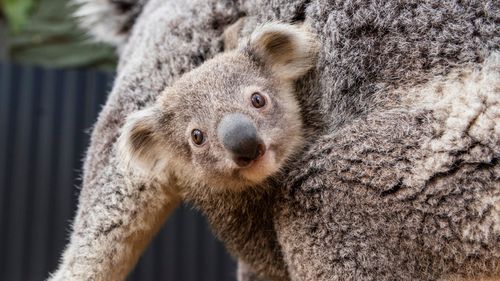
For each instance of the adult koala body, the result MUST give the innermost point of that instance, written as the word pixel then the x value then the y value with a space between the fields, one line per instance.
pixel 401 177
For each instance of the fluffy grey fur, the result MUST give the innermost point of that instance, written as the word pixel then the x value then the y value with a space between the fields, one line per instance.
pixel 400 180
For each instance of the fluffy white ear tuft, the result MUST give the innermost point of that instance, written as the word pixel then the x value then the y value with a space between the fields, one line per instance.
pixel 139 142
pixel 289 50
pixel 108 21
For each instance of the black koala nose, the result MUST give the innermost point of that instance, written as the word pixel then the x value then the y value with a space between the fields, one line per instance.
pixel 240 137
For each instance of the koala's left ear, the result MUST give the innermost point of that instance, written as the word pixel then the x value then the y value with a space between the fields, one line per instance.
pixel 289 50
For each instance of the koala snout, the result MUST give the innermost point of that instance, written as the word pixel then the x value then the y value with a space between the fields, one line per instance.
pixel 240 137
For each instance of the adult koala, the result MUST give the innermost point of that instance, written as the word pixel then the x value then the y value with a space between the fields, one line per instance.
pixel 400 179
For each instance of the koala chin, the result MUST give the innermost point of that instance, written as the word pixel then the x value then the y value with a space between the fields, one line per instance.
pixel 230 123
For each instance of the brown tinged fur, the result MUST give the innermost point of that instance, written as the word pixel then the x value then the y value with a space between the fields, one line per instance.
pixel 395 184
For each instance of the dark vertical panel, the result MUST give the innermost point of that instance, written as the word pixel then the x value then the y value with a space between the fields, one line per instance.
pixel 210 258
pixel 146 266
pixel 90 96
pixel 40 234
pixel 66 151
pixel 4 127
pixel 57 221
pixel 190 247
pixel 201 254
pixel 19 180
pixel 4 120
pixel 80 143
pixel 171 245
pixel 36 96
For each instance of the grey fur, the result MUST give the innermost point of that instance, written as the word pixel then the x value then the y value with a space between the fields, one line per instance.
pixel 401 177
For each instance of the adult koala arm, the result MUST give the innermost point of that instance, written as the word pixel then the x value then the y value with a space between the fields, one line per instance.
pixel 118 213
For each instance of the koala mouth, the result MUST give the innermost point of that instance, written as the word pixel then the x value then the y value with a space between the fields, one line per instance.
pixel 245 161
pixel 258 169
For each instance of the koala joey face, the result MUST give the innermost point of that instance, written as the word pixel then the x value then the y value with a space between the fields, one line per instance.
pixel 230 123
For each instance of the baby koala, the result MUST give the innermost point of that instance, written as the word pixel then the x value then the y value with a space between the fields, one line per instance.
pixel 230 123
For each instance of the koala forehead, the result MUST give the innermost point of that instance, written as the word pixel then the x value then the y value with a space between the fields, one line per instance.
pixel 216 85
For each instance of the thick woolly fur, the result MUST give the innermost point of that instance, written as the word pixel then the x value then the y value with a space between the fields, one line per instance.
pixel 409 193
pixel 400 176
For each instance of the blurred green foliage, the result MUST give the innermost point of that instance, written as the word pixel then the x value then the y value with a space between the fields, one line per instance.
pixel 16 11
pixel 44 32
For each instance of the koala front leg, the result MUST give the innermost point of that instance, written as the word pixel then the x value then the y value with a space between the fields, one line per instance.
pixel 113 225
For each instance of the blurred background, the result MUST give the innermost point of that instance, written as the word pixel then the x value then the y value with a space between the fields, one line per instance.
pixel 53 83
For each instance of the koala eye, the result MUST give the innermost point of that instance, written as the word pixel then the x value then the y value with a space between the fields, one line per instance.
pixel 258 100
pixel 197 137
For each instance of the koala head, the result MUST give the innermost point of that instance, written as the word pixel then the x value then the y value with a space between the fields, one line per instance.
pixel 231 122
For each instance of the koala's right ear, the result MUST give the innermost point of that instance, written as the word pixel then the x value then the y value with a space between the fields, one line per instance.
pixel 139 142
pixel 289 50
